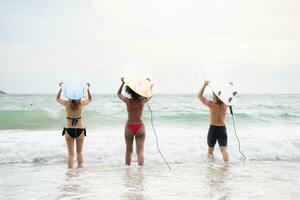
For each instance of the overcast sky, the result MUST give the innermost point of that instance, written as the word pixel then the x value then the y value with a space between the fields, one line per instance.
pixel 254 43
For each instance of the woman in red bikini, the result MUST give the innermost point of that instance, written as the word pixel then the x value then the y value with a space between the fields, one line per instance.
pixel 134 127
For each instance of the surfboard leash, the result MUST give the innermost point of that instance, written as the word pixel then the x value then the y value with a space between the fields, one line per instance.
pixel 243 155
pixel 156 138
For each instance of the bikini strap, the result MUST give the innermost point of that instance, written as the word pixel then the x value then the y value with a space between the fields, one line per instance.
pixel 63 132
pixel 73 118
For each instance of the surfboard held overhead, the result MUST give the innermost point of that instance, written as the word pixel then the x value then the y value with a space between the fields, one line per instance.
pixel 225 92
pixel 142 86
pixel 74 90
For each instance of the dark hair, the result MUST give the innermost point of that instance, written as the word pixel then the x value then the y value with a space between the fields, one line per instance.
pixel 132 93
pixel 75 104
pixel 217 99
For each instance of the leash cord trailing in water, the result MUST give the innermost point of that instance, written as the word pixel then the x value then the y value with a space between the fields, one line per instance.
pixel 157 146
pixel 244 157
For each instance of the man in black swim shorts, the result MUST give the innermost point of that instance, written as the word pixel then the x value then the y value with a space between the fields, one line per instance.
pixel 217 129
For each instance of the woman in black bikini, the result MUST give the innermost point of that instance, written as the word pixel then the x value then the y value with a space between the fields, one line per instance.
pixel 74 128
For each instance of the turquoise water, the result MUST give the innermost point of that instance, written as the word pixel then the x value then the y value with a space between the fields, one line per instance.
pixel 268 127
pixel 32 112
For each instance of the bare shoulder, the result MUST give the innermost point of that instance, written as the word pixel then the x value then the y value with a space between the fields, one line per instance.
pixel 211 104
pixel 65 102
pixel 123 98
pixel 207 102
pixel 224 106
pixel 85 102
pixel 126 100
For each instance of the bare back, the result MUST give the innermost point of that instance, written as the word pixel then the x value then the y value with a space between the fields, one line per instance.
pixel 135 110
pixel 217 113
pixel 70 113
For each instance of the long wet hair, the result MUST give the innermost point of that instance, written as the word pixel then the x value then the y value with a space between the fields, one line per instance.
pixel 75 104
pixel 216 99
pixel 133 94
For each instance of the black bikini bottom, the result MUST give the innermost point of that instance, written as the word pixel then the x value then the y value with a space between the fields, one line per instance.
pixel 74 132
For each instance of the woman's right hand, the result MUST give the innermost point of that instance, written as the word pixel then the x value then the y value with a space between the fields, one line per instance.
pixel 206 82
pixel 60 83
pixel 122 79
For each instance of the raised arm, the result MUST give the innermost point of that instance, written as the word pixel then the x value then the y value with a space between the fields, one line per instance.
pixel 89 99
pixel 204 100
pixel 122 97
pixel 149 98
pixel 58 99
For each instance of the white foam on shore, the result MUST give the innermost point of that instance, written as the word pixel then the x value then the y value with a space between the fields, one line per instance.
pixel 178 144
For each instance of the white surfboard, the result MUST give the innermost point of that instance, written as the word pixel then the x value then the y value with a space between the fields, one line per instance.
pixel 142 86
pixel 74 89
pixel 225 92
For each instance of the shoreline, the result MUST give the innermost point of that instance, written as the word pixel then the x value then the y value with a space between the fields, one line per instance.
pixel 253 180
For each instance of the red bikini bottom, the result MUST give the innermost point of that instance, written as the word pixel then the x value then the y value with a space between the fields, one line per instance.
pixel 134 128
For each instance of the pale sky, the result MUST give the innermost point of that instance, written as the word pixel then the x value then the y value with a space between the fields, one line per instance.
pixel 254 43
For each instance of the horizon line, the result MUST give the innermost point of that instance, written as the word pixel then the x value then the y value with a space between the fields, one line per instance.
pixel 159 93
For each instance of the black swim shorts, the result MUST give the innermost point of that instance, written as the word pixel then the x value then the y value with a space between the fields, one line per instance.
pixel 217 133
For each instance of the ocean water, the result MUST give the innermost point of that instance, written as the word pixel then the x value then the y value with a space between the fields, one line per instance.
pixel 33 153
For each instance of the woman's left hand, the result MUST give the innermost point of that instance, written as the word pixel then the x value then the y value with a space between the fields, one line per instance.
pixel 206 82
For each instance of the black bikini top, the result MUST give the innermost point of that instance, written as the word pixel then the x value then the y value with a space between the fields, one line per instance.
pixel 74 120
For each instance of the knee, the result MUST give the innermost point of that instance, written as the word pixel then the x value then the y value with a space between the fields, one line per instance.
pixel 79 152
pixel 129 150
pixel 140 152
pixel 223 150
pixel 210 150
pixel 71 155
